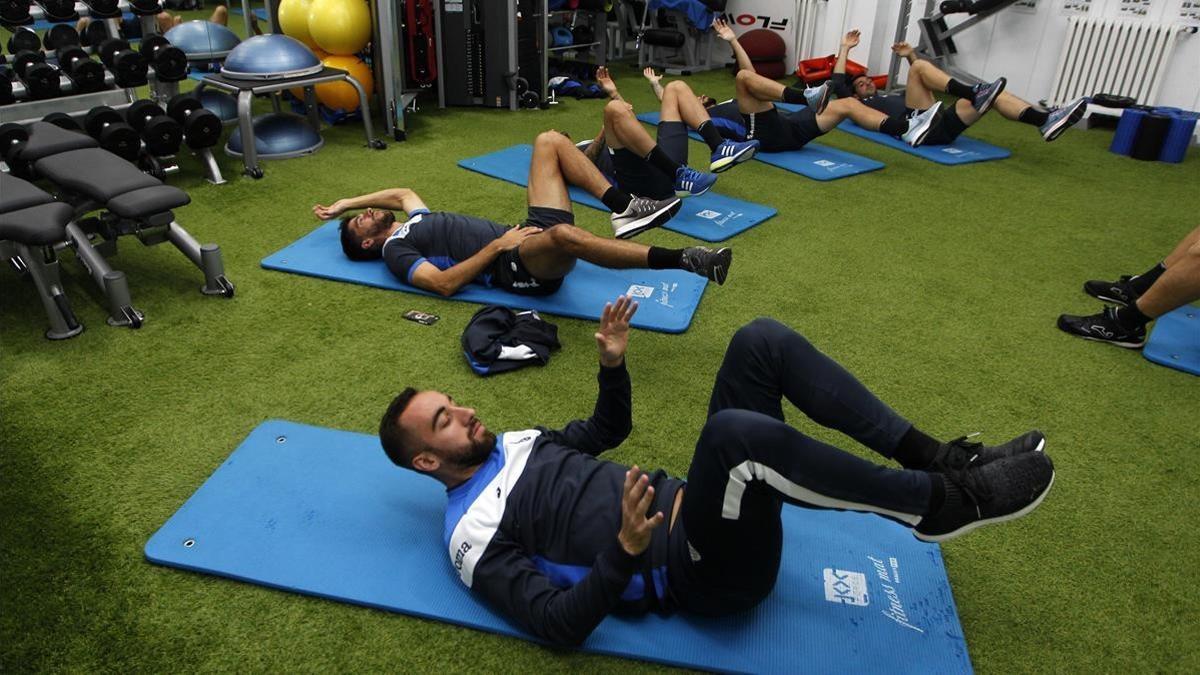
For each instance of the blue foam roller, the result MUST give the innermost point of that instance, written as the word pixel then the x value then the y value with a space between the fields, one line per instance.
pixel 1127 131
pixel 711 216
pixel 668 298
pixel 1179 137
pixel 325 513
pixel 1175 340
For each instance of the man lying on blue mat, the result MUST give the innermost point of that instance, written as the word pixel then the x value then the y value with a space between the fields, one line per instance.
pixel 753 115
pixel 1168 285
pixel 658 167
pixel 924 78
pixel 442 251
pixel 557 539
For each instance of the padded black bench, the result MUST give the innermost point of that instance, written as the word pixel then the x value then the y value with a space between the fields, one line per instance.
pixel 31 223
pixel 130 203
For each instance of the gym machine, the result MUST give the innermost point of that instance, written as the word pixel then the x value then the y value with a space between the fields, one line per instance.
pixel 692 45
pixel 937 40
pixel 491 53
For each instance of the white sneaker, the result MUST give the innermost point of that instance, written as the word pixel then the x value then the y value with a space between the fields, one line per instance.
pixel 643 214
pixel 920 124
pixel 817 97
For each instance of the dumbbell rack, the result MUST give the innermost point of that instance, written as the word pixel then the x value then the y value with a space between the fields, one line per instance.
pixel 27 111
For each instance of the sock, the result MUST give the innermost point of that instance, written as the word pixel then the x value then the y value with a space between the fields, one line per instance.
pixel 956 88
pixel 659 258
pixel 894 126
pixel 939 492
pixel 662 161
pixel 1142 282
pixel 1035 117
pixel 615 200
pixel 916 450
pixel 711 135
pixel 1131 317
pixel 793 95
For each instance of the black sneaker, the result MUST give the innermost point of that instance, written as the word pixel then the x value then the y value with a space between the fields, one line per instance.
pixel 985 95
pixel 1103 327
pixel 707 262
pixel 643 214
pixel 1005 489
pixel 961 454
pixel 1119 292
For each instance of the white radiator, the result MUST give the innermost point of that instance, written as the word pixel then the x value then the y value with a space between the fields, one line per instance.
pixel 1113 56
pixel 806 28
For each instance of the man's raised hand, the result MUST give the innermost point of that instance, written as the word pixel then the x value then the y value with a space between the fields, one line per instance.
pixel 902 49
pixel 636 528
pixel 723 30
pixel 606 82
pixel 649 74
pixel 850 41
pixel 613 336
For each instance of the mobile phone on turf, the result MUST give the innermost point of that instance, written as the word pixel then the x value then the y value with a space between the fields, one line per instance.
pixel 423 318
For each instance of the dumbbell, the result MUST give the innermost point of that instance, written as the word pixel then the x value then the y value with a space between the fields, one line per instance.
pixel 61 10
pixel 127 66
pixel 93 34
pixel 170 63
pixel 145 7
pixel 6 88
pixel 63 121
pixel 105 125
pixel 14 12
pixel 161 133
pixel 201 127
pixel 12 140
pixel 102 8
pixel 24 39
pixel 40 78
pixel 86 74
pixel 61 35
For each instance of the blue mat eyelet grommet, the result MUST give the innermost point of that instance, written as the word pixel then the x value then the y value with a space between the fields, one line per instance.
pixel 188 543
pixel 281 439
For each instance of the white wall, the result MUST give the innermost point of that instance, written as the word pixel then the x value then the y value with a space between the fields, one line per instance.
pixel 1024 47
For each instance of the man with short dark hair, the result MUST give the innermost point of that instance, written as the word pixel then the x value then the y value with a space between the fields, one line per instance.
pixel 441 251
pixel 556 538
pixel 924 78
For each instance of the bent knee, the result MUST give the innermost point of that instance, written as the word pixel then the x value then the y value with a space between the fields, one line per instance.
pixel 744 75
pixel 566 236
pixel 616 109
pixel 766 335
pixel 551 137
pixel 1193 251
pixel 679 87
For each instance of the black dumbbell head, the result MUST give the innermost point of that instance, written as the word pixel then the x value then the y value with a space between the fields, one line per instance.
pixel 97 118
pixel 14 12
pixel 162 135
pixel 94 34
pixel 103 8
pixel 181 105
pixel 149 44
pixel 109 47
pixel 139 112
pixel 63 121
pixel 59 9
pixel 11 134
pixel 6 92
pixel 170 64
pixel 41 80
pixel 24 39
pixel 65 55
pixel 120 139
pixel 85 73
pixel 202 129
pixel 60 35
pixel 25 58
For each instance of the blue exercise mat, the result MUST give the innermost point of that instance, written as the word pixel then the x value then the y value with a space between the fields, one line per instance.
pixel 711 217
pixel 667 298
pixel 814 160
pixel 325 513
pixel 1175 340
pixel 260 12
pixel 963 150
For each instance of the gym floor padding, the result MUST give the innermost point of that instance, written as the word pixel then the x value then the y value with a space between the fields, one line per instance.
pixel 1175 340
pixel 667 298
pixel 324 512
pixel 711 216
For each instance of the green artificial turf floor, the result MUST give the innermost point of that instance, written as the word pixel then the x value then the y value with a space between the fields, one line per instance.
pixel 937 286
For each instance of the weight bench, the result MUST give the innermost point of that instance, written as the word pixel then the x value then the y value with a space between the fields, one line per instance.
pixel 31 223
pixel 130 203
pixel 683 26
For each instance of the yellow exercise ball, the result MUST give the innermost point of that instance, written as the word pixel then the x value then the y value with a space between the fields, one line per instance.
pixel 340 26
pixel 342 95
pixel 293 20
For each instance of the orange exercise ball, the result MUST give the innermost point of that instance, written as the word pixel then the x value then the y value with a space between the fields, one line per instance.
pixel 342 95
pixel 298 92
